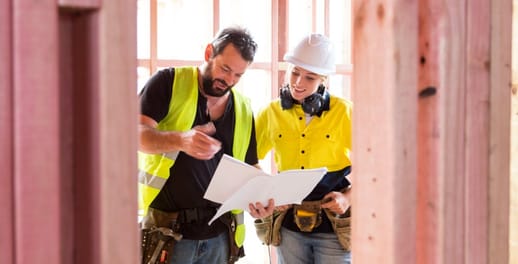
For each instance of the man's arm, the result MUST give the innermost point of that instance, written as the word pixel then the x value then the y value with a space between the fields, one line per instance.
pixel 196 142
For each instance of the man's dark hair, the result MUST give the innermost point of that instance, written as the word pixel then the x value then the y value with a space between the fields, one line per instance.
pixel 240 38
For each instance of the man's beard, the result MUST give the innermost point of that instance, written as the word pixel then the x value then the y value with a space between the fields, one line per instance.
pixel 208 84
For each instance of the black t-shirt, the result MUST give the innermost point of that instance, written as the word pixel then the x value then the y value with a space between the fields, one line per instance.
pixel 190 177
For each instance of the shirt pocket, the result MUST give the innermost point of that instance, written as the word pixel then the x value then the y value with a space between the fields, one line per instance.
pixel 286 145
pixel 326 144
pixel 285 138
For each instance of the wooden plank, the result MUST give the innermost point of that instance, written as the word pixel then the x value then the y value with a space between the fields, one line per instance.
pixel 500 135
pixel 452 130
pixel 153 34
pixel 513 250
pixel 117 143
pixel 428 135
pixel 478 43
pixel 105 110
pixel 384 174
pixel 6 135
pixel 36 132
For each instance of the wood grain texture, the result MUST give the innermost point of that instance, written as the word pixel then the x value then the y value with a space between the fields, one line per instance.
pixel 514 141
pixel 477 135
pixel 430 90
pixel 500 137
pixel 384 129
pixel 6 136
pixel 456 129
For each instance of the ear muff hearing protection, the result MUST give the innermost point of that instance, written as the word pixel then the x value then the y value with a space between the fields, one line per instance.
pixel 312 105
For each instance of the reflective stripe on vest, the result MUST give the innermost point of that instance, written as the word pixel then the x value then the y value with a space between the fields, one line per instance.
pixel 154 168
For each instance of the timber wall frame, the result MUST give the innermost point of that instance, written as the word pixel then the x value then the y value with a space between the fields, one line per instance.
pixel 432 181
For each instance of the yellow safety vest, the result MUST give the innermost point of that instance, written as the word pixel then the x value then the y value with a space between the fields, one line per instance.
pixel 154 168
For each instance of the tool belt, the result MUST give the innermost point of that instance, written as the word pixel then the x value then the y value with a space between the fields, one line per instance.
pixel 159 233
pixel 268 229
pixel 307 216
pixel 235 252
pixel 161 230
pixel 342 227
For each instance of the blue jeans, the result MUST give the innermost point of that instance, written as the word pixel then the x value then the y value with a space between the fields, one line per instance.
pixel 309 248
pixel 214 251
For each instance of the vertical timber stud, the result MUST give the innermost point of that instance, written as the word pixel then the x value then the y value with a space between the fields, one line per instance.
pixel 99 53
pixel 37 190
pixel 428 89
pixel 384 175
pixel 451 123
pixel 513 229
pixel 456 79
pixel 454 63
pixel 441 133
pixel 117 131
pixel 281 46
pixel 6 135
pixel 477 96
pixel 500 174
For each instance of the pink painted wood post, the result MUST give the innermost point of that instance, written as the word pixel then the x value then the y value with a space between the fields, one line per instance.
pixel 100 55
pixel 384 129
pixel 68 132
pixel 6 136
pixel 117 124
pixel 37 191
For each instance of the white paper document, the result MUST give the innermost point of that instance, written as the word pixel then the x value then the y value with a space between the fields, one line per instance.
pixel 235 184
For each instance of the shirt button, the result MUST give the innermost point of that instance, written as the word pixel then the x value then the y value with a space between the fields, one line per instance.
pixel 327 136
pixel 300 117
pixel 303 135
pixel 302 152
pixel 280 135
pixel 302 167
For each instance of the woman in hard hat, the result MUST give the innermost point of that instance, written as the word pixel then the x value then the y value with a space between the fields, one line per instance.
pixel 309 128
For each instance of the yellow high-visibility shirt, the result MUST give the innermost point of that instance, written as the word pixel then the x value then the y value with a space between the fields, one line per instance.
pixel 324 142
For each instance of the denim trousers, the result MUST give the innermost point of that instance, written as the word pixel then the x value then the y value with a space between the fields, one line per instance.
pixel 311 248
pixel 209 251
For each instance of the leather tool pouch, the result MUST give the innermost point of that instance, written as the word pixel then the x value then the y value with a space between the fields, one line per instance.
pixel 342 227
pixel 307 215
pixel 235 251
pixel 268 229
pixel 159 233
pixel 264 229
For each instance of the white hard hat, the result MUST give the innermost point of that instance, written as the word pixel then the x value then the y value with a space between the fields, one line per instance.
pixel 313 53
